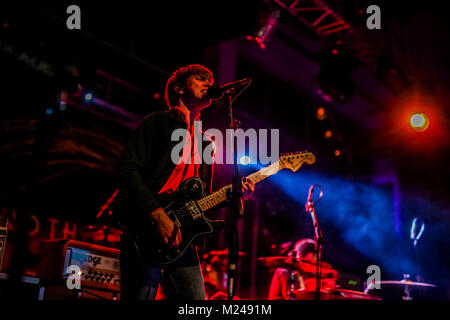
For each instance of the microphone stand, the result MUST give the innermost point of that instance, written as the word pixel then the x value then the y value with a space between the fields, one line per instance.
pixel 235 197
pixel 318 238
pixel 237 210
pixel 291 281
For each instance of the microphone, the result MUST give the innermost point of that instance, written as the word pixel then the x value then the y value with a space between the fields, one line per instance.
pixel 309 200
pixel 216 92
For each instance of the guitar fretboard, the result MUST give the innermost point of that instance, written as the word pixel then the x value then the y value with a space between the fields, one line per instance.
pixel 219 196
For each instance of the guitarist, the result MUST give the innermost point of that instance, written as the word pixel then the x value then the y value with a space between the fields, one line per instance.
pixel 146 170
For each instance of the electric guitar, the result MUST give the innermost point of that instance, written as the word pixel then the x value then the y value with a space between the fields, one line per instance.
pixel 186 207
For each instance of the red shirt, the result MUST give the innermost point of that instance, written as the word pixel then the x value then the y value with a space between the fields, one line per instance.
pixel 184 171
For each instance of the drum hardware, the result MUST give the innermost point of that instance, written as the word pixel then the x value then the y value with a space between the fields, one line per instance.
pixel 291 281
pixel 214 265
pixel 306 269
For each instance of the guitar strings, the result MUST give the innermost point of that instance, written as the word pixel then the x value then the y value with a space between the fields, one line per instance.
pixel 258 176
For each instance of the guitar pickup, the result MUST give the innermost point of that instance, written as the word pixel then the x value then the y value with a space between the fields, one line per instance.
pixel 193 210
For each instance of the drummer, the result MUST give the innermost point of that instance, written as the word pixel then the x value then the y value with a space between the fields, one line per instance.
pixel 279 287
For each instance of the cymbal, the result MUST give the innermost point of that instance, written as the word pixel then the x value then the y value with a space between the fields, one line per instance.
pixel 303 265
pixel 405 283
pixel 98 233
pixel 287 262
pixel 91 228
pixel 220 253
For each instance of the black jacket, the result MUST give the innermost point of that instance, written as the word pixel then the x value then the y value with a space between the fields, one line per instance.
pixel 146 165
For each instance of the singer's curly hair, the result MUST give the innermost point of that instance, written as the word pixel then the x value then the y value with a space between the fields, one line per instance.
pixel 179 78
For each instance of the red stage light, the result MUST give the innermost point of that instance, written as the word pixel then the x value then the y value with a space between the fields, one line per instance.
pixel 328 134
pixel 337 152
pixel 417 123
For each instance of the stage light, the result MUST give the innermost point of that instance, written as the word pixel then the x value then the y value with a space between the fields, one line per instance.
pixel 156 95
pixel 328 134
pixel 337 152
pixel 320 113
pixel 48 111
pixel 419 122
pixel 245 160
pixel 88 96
pixel 262 36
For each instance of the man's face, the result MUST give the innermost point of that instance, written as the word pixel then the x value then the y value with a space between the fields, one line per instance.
pixel 195 91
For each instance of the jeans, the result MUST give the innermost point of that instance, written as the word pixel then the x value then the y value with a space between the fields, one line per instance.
pixel 180 280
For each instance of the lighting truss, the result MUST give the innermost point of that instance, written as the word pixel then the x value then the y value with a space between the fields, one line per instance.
pixel 316 15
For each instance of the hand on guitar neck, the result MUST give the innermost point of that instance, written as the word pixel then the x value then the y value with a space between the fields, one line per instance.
pixel 248 187
pixel 166 228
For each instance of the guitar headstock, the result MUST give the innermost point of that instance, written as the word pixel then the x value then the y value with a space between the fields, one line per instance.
pixel 294 160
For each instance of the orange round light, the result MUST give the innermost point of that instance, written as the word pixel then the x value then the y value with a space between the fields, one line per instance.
pixel 328 134
pixel 337 152
pixel 419 122
pixel 320 113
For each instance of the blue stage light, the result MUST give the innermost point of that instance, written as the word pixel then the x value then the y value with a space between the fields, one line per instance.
pixel 245 160
pixel 88 96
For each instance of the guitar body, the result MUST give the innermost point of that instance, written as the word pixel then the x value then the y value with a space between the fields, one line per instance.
pixel 183 210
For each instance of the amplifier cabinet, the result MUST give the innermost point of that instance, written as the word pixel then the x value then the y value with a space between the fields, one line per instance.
pixel 99 265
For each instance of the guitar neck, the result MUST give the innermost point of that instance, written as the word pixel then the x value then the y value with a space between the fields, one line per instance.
pixel 220 196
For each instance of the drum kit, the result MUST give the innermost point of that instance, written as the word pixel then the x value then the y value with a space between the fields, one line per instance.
pixel 328 288
pixel 214 272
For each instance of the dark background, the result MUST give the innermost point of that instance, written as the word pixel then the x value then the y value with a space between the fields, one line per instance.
pixel 60 163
